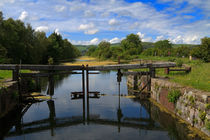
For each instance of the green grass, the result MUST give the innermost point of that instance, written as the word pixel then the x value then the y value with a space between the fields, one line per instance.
pixel 198 78
pixel 5 74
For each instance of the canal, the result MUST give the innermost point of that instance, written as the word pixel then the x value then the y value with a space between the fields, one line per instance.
pixel 114 114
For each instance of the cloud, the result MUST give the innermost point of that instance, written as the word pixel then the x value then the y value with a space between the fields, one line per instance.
pixel 94 41
pixel 158 38
pixel 42 29
pixel 140 35
pixel 114 40
pixel 57 31
pixel 89 13
pixel 2 2
pixel 23 15
pixel 91 32
pixel 86 26
pixel 116 18
pixel 60 8
pixel 113 22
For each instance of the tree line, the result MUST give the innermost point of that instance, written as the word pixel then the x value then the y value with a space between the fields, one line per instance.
pixel 131 47
pixel 19 41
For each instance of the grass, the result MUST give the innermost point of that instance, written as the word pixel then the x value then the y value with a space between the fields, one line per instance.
pixel 198 78
pixel 6 74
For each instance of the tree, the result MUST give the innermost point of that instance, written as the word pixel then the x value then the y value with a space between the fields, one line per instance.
pixel 104 50
pixel 203 51
pixel 182 51
pixel 164 47
pixel 132 44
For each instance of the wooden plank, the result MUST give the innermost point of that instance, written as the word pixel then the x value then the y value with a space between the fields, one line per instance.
pixel 130 66
pixel 135 73
pixel 45 74
pixel 40 67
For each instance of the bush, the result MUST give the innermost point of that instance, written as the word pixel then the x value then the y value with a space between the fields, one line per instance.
pixel 179 62
pixel 173 95
pixel 207 125
pixel 202 116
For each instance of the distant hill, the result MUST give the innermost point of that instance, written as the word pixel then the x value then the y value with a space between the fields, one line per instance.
pixel 146 45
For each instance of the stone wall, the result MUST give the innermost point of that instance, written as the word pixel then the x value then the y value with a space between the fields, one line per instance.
pixel 192 106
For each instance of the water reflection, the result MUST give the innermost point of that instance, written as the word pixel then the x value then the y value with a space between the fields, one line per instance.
pixel 111 116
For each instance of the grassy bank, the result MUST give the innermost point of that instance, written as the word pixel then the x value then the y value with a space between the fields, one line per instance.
pixel 198 78
pixel 7 74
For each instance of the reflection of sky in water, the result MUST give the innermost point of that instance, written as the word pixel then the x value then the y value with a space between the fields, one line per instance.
pixel 106 108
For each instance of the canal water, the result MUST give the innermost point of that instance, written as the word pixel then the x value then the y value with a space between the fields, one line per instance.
pixel 113 115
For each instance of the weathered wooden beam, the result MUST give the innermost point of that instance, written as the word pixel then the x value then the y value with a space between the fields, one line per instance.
pixel 135 73
pixel 45 74
pixel 40 67
pixel 131 66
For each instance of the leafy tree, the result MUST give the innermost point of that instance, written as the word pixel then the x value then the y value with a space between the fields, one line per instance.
pixel 164 47
pixel 132 45
pixel 202 51
pixel 104 50
pixel 182 51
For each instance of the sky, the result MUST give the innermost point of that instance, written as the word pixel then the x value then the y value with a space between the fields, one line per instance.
pixel 85 22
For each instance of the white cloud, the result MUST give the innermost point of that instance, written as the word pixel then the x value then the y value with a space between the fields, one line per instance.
pixel 113 22
pixel 91 32
pixel 60 8
pixel 94 41
pixel 2 2
pixel 161 37
pixel 86 26
pixel 114 40
pixel 57 31
pixel 42 29
pixel 148 39
pixel 89 13
pixel 140 35
pixel 23 15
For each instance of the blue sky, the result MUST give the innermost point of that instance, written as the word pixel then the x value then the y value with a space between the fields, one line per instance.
pixel 91 21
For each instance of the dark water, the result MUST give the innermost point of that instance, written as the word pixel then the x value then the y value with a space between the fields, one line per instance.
pixel 108 117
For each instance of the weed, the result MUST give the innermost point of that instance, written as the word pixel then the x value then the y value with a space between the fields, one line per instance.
pixel 202 115
pixel 173 95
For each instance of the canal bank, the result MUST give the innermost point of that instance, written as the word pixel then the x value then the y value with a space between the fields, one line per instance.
pixel 189 104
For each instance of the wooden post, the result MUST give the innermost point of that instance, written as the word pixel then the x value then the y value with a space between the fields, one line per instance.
pixel 15 74
pixel 167 70
pixel 152 71
pixel 87 84
pixel 83 90
pixel 118 59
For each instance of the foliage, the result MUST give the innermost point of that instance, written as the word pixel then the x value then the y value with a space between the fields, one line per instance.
pixel 202 51
pixel 132 44
pixel 50 61
pixel 182 51
pixel 207 106
pixel 164 48
pixel 173 95
pixel 207 125
pixel 202 115
pixel 19 41
pixel 179 62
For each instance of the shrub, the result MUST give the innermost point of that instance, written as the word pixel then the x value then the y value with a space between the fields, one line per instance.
pixel 202 116
pixel 207 106
pixel 179 62
pixel 173 95
pixel 207 124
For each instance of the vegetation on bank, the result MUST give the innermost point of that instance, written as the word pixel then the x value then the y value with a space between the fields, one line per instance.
pixel 20 42
pixel 131 48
